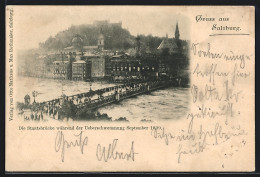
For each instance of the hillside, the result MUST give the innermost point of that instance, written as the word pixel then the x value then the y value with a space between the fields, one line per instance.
pixel 115 37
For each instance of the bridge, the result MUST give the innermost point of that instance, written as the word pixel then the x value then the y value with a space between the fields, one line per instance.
pixel 94 99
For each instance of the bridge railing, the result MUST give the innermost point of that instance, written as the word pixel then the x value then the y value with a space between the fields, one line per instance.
pixel 116 93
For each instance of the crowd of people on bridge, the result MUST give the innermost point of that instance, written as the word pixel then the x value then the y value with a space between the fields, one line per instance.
pixel 91 99
pixel 34 117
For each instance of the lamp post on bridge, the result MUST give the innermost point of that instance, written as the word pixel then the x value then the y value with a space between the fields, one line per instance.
pixel 34 94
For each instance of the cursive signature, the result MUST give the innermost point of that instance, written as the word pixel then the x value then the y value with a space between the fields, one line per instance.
pixel 106 153
pixel 61 144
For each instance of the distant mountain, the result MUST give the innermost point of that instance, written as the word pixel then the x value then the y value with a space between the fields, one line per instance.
pixel 116 38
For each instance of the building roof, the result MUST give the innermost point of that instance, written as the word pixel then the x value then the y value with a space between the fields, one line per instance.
pixel 60 62
pixel 79 61
pixel 168 43
pixel 27 97
pixel 90 47
pixel 90 55
pixel 77 39
pixel 117 56
pixel 84 48
pixel 69 48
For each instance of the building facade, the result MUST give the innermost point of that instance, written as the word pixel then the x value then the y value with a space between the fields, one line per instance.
pixel 97 67
pixel 61 70
pixel 79 70
pixel 126 68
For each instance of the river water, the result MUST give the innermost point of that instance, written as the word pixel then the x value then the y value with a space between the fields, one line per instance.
pixel 166 104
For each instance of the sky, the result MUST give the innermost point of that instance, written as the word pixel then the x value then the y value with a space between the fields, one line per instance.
pixel 34 24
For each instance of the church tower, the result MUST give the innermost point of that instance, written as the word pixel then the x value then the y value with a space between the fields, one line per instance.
pixel 177 33
pixel 101 41
pixel 138 46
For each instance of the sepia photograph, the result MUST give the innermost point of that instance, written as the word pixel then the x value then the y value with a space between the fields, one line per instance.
pixel 114 69
pixel 130 88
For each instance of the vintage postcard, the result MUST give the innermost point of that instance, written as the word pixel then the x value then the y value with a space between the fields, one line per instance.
pixel 130 88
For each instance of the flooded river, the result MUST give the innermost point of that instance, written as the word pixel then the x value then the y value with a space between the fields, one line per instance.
pixel 166 104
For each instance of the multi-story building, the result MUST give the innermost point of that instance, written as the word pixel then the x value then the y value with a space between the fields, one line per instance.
pixel 126 68
pixel 79 70
pixel 61 70
pixel 163 69
pixel 97 67
pixel 149 67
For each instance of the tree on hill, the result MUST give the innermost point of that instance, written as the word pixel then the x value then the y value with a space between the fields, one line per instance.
pixel 115 38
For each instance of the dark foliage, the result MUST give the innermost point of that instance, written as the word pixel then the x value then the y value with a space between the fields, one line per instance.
pixel 68 109
pixel 122 119
pixel 115 38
